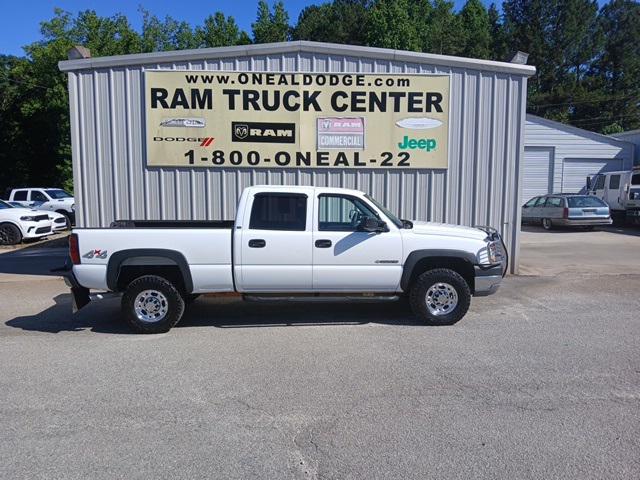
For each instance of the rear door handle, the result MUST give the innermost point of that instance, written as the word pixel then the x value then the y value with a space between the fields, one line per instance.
pixel 257 243
pixel 323 243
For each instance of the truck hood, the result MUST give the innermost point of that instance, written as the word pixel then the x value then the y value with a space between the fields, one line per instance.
pixel 431 228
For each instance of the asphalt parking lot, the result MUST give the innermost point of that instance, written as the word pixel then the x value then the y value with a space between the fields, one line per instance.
pixel 541 380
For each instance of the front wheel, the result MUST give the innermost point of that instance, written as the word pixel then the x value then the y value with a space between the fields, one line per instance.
pixel 9 234
pixel 440 297
pixel 151 304
pixel 546 224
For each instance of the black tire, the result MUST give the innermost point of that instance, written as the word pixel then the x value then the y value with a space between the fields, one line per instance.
pixel 9 234
pixel 189 298
pixel 172 304
pixel 422 285
pixel 547 224
pixel 67 216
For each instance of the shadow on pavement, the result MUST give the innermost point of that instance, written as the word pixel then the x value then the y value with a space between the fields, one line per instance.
pixel 103 316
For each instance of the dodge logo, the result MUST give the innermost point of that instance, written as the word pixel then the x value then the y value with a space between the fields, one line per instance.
pixel 241 130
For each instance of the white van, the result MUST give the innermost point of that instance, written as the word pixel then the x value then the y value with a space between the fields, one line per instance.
pixel 621 190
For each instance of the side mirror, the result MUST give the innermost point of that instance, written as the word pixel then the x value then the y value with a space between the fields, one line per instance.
pixel 371 224
pixel 525 206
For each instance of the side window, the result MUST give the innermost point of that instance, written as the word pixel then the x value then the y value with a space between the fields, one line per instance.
pixel 276 211
pixel 614 182
pixel 337 213
pixel 541 201
pixel 599 183
pixel 554 202
pixel 532 202
pixel 38 196
pixel 20 195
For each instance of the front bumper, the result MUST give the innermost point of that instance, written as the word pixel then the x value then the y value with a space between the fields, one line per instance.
pixel 36 229
pixel 488 279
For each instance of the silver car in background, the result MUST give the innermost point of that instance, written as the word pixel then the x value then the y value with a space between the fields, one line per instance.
pixel 566 210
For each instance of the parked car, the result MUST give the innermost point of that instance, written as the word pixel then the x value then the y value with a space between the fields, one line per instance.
pixel 288 243
pixel 50 199
pixel 566 210
pixel 621 191
pixel 59 222
pixel 17 224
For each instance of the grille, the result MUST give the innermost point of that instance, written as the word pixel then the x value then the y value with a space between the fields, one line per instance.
pixel 43 229
pixel 39 218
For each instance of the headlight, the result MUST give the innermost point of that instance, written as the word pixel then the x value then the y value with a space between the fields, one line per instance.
pixel 492 252
pixel 73 206
pixel 27 218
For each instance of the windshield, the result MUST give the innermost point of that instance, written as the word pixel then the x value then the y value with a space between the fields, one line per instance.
pixel 396 221
pixel 578 202
pixel 4 205
pixel 58 194
pixel 635 179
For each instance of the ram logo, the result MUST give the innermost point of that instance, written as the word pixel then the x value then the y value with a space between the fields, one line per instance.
pixel 241 131
pixel 101 254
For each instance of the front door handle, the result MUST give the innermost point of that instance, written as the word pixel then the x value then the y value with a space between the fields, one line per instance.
pixel 257 243
pixel 323 243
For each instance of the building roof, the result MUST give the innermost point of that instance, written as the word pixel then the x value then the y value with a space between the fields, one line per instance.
pixel 577 131
pixel 295 47
pixel 628 133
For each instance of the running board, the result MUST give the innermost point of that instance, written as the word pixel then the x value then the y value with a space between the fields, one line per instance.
pixel 320 298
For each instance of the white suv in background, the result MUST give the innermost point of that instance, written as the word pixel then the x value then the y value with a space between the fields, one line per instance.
pixel 52 199
pixel 17 224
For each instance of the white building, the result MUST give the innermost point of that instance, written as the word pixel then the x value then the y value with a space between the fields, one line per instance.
pixel 632 136
pixel 559 157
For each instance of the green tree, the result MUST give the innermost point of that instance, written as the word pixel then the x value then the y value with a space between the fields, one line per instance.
pixel 476 28
pixel 271 26
pixel 220 31
pixel 499 41
pixel 391 25
pixel 341 21
pixel 442 32
pixel 168 34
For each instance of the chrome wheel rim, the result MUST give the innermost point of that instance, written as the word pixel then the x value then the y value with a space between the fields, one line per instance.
pixel 151 306
pixel 441 299
pixel 546 223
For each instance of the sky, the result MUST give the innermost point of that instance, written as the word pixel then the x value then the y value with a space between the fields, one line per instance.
pixel 20 19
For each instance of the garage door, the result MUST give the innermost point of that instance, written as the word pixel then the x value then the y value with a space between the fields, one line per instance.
pixel 576 170
pixel 537 173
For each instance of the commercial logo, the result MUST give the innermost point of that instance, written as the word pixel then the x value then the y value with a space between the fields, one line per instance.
pixel 426 144
pixel 203 141
pixel 263 132
pixel 418 123
pixel 340 132
pixel 184 122
pixel 101 254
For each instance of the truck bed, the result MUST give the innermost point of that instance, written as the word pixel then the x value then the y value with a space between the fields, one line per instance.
pixel 215 224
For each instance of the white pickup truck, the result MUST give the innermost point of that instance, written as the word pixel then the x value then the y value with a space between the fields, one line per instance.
pixel 302 243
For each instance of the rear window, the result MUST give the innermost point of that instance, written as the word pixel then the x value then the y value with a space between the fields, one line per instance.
pixel 276 211
pixel 579 202
pixel 554 202
pixel 20 195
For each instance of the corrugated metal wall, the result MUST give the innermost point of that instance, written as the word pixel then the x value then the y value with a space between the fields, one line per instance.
pixel 481 186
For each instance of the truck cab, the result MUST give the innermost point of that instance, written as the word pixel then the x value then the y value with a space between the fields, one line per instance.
pixel 621 191
pixel 291 242
pixel 52 199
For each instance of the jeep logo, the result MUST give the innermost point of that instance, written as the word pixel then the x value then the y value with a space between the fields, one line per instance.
pixel 263 132
pixel 427 144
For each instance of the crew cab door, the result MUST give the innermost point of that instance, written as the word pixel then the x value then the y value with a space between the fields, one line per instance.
pixel 275 247
pixel 346 259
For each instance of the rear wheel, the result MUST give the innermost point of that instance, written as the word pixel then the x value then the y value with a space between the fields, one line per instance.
pixel 152 304
pixel 440 297
pixel 546 224
pixel 9 234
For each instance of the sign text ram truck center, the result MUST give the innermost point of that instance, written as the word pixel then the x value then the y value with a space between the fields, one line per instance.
pixel 288 243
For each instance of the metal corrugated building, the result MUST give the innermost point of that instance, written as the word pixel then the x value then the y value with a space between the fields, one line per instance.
pixel 486 139
pixel 559 157
pixel 632 136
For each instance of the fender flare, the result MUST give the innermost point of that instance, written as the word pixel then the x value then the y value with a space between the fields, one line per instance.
pixel 115 262
pixel 15 224
pixel 418 255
